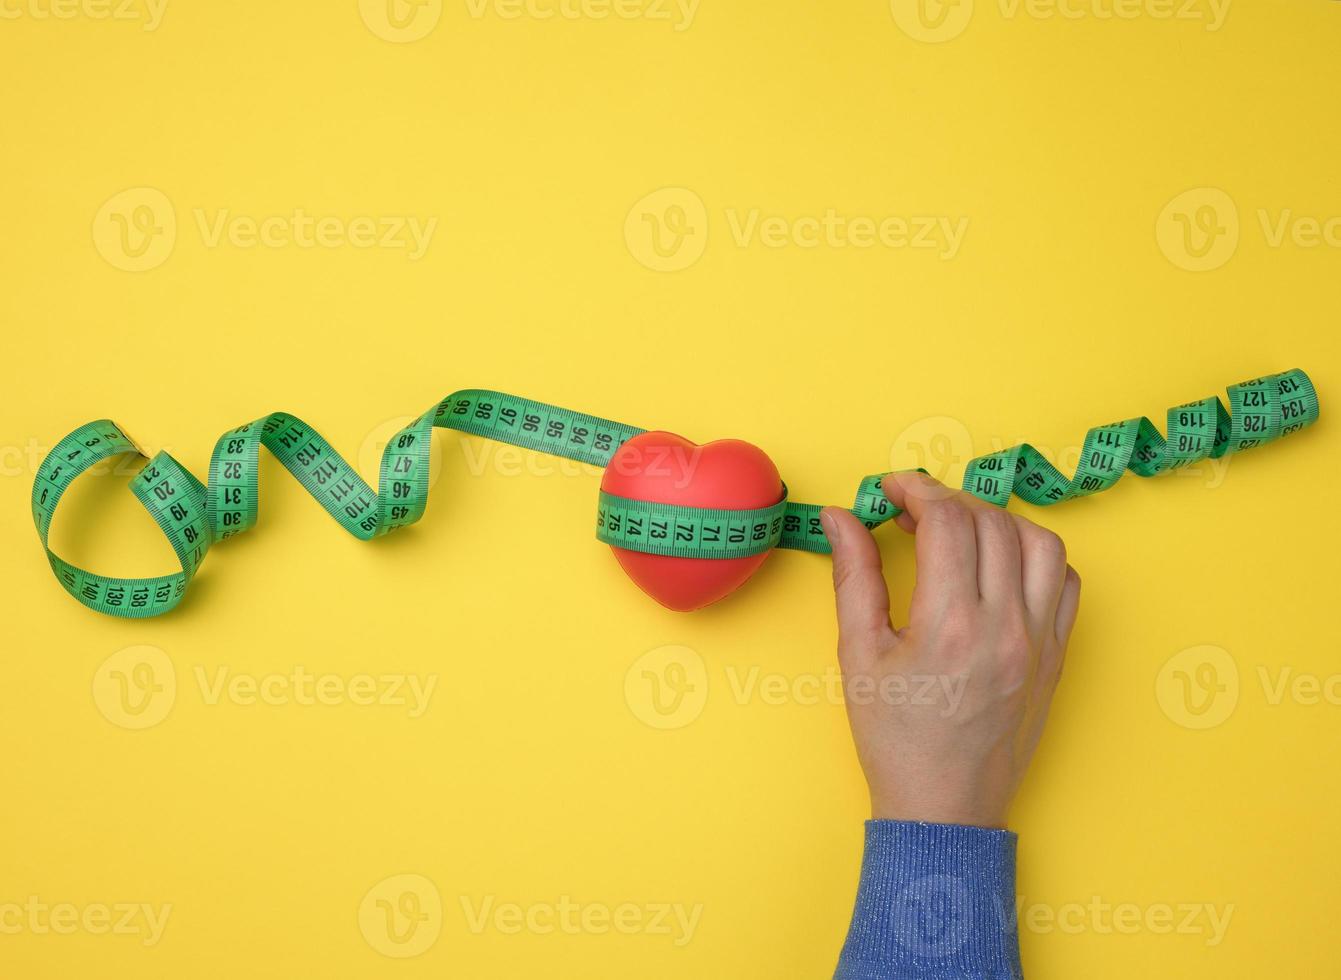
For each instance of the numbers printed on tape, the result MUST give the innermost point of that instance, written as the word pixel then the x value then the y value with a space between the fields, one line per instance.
pixel 194 515
pixel 689 532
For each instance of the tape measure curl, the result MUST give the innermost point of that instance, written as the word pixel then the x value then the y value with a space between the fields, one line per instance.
pixel 193 515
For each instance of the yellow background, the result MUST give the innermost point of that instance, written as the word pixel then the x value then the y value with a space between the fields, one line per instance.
pixel 533 775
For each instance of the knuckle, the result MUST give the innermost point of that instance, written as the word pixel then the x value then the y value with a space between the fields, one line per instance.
pixel 1014 675
pixel 1013 640
pixel 1047 545
pixel 956 634
pixel 996 522
pixel 921 483
pixel 842 575
pixel 1052 543
pixel 1015 643
pixel 961 624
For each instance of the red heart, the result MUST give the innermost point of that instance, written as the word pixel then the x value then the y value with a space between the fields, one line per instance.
pixel 668 469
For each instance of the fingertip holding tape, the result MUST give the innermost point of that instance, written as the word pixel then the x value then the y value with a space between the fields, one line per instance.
pixel 689 523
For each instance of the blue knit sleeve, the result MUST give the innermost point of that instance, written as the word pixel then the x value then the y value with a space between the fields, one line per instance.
pixel 935 902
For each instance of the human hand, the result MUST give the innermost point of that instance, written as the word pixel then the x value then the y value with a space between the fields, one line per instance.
pixel 946 711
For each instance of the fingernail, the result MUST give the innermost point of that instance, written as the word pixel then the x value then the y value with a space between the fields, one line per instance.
pixel 830 526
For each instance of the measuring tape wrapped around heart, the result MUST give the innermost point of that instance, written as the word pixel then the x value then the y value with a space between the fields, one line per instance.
pixel 688 523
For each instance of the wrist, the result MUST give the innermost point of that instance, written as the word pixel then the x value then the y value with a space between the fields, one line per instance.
pixel 969 792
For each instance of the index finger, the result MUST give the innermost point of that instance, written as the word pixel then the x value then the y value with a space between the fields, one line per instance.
pixel 947 547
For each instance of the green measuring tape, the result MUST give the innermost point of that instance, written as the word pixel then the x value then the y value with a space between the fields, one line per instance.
pixel 194 515
pixel 703 532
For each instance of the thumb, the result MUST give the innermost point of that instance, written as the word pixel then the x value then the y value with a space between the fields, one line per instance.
pixel 859 586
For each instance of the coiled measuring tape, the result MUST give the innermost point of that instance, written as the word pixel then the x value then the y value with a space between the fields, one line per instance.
pixel 194 515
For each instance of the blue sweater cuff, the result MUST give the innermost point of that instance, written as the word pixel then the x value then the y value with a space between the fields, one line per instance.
pixel 935 902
